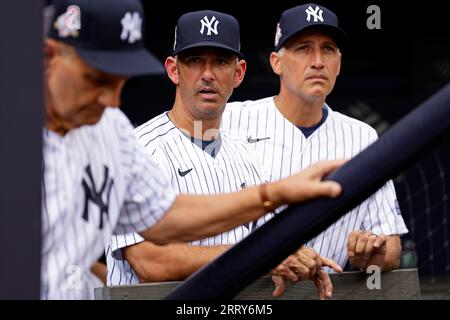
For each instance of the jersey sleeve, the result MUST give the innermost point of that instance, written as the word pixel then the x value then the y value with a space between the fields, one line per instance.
pixel 149 194
pixel 121 241
pixel 383 213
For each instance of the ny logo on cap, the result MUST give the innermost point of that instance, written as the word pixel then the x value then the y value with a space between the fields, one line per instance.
pixel 69 22
pixel 277 34
pixel 131 27
pixel 208 24
pixel 316 13
pixel 175 39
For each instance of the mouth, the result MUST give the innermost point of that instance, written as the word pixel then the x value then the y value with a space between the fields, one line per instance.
pixel 316 77
pixel 208 92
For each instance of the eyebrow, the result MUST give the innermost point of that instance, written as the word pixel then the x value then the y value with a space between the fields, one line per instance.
pixel 327 42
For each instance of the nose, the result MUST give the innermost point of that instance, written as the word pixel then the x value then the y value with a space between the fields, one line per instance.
pixel 208 73
pixel 110 94
pixel 317 59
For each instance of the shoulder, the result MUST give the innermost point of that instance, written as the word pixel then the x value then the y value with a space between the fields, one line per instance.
pixel 116 116
pixel 344 119
pixel 113 127
pixel 154 130
pixel 249 105
pixel 239 116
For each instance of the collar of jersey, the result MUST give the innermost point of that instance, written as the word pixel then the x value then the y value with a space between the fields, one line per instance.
pixel 208 146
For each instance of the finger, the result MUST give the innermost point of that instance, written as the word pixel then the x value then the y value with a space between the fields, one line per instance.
pixel 307 264
pixel 324 189
pixel 327 284
pixel 279 270
pixel 318 264
pixel 369 246
pixel 293 264
pixel 322 168
pixel 320 288
pixel 381 240
pixel 280 286
pixel 303 272
pixel 314 256
pixel 290 275
pixel 361 243
pixel 285 272
pixel 331 263
pixel 351 244
pixel 276 271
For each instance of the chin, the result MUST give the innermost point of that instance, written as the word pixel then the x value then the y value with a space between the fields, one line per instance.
pixel 212 113
pixel 94 120
pixel 319 92
pixel 90 120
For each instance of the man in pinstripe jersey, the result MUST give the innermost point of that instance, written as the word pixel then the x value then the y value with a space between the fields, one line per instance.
pixel 296 128
pixel 198 159
pixel 97 179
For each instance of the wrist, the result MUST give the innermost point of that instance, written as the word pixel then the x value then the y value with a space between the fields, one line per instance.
pixel 268 195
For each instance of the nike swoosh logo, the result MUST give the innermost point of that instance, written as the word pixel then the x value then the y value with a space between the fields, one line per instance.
pixel 253 140
pixel 183 173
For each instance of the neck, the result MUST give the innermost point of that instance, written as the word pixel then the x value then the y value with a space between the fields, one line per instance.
pixel 51 119
pixel 54 127
pixel 204 129
pixel 298 110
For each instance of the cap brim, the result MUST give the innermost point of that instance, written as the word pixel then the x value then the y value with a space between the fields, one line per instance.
pixel 336 33
pixel 208 44
pixel 339 35
pixel 136 62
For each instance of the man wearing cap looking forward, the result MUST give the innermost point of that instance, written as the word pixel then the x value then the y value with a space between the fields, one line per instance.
pixel 296 128
pixel 205 66
pixel 97 179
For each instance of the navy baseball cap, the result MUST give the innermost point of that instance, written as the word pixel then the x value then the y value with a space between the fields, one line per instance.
pixel 307 17
pixel 107 34
pixel 207 28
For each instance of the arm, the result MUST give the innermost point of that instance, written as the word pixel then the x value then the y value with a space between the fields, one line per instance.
pixel 366 248
pixel 99 270
pixel 196 217
pixel 154 263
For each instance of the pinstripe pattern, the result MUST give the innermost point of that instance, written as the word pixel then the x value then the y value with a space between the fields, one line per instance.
pixel 70 243
pixel 228 171
pixel 287 151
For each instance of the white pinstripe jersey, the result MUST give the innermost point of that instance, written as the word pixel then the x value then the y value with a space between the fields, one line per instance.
pixel 283 149
pixel 194 170
pixel 96 180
